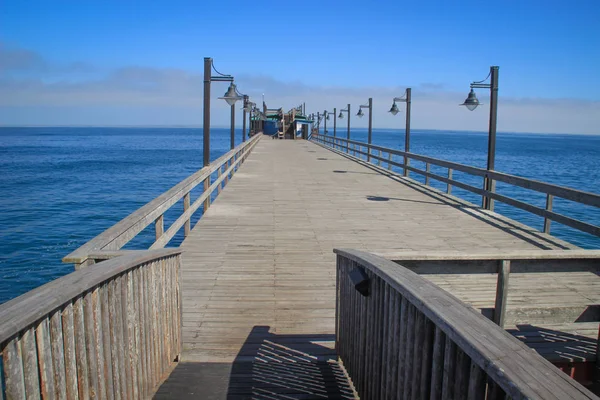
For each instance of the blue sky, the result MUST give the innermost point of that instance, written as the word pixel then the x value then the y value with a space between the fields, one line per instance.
pixel 121 62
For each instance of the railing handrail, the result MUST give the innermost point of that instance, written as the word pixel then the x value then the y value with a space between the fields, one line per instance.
pixel 501 356
pixel 120 233
pixel 19 313
pixel 486 255
pixel 564 192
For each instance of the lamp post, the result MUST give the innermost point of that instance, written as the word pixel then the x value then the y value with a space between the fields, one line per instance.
pixel 318 123
pixel 405 98
pixel 360 114
pixel 245 108
pixel 341 116
pixel 231 96
pixel 471 102
pixel 248 107
pixel 327 114
pixel 231 99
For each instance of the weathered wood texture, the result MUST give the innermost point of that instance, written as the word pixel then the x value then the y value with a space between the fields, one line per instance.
pixel 551 302
pixel 476 353
pixel 122 232
pixel 590 199
pixel 262 254
pixel 89 334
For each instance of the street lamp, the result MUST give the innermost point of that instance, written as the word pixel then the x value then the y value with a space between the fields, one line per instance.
pixel 405 98
pixel 258 116
pixel 327 114
pixel 341 116
pixel 248 107
pixel 471 102
pixel 360 114
pixel 208 78
pixel 319 122
pixel 231 96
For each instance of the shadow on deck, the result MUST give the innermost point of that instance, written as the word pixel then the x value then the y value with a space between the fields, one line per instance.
pixel 268 366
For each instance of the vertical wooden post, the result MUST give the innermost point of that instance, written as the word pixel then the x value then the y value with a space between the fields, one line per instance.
pixel 449 187
pixel 379 157
pixel 220 185
pixel 596 374
pixel 206 186
pixel 159 227
pixel 186 205
pixel 501 292
pixel 489 185
pixel 427 169
pixel 389 161
pixel 547 221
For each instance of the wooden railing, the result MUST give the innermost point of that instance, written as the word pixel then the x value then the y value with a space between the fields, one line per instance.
pixel 110 332
pixel 503 265
pixel 377 155
pixel 114 238
pixel 402 337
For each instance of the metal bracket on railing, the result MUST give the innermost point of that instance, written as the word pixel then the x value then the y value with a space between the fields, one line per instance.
pixel 359 278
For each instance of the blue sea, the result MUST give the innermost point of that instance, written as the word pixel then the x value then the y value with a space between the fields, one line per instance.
pixel 60 187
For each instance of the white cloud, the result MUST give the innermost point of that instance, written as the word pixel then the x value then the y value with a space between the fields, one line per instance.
pixel 135 94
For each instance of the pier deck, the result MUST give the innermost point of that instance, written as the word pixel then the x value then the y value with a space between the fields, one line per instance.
pixel 262 254
pixel 259 271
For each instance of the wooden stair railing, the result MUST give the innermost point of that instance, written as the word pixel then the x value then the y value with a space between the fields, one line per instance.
pixel 409 339
pixel 110 331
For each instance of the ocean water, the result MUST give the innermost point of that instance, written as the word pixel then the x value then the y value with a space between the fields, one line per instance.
pixel 60 187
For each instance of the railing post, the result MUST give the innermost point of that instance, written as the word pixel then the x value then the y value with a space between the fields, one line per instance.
pixel 186 205
pixel 501 292
pixel 449 188
pixel 389 161
pixel 220 185
pixel 379 157
pixel 489 185
pixel 427 169
pixel 159 227
pixel 493 190
pixel 207 201
pixel 547 221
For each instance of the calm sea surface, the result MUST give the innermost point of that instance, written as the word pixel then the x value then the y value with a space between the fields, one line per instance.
pixel 60 187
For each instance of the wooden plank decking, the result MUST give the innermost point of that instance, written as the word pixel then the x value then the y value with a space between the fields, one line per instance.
pixel 258 269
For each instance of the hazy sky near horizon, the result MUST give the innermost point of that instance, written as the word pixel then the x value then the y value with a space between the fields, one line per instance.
pixel 140 63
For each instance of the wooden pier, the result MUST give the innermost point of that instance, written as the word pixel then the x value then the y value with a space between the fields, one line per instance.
pixel 260 306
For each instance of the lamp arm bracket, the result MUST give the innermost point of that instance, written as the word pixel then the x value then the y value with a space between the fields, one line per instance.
pixel 221 78
pixel 483 80
pixel 476 85
pixel 212 64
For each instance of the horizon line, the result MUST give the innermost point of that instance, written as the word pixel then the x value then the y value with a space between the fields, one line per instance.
pixel 133 126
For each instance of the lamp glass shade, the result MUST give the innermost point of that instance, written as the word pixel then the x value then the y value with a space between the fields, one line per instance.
pixel 230 95
pixel 341 116
pixel 471 102
pixel 360 113
pixel 327 116
pixel 394 110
